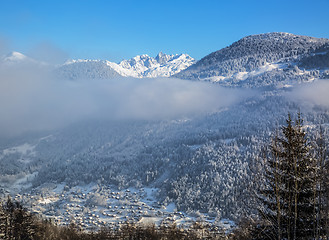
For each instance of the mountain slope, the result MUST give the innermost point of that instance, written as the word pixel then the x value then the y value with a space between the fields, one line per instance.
pixel 258 60
pixel 86 69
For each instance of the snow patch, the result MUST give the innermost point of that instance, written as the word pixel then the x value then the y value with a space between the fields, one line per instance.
pixel 241 76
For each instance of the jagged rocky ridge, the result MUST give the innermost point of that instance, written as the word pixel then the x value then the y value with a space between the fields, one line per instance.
pixel 162 65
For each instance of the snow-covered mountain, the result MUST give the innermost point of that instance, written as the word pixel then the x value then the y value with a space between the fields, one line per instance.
pixel 162 65
pixel 265 59
pixel 15 58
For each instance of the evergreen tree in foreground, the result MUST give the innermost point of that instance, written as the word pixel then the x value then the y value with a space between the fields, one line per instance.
pixel 291 197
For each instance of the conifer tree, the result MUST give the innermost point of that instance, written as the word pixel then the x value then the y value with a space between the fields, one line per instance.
pixel 290 198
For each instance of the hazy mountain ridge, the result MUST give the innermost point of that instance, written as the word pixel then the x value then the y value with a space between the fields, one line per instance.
pixel 86 69
pixel 260 60
pixel 14 58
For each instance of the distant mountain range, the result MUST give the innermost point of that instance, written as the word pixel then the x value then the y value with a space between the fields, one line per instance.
pixel 162 65
pixel 270 59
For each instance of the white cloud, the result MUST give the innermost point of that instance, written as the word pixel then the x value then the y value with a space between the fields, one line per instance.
pixel 30 99
pixel 316 93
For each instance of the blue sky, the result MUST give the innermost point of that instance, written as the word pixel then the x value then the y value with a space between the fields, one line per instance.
pixel 121 29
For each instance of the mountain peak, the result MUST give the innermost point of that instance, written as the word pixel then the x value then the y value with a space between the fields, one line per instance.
pixel 143 56
pixel 280 36
pixel 161 54
pixel 15 57
pixel 270 35
pixel 163 58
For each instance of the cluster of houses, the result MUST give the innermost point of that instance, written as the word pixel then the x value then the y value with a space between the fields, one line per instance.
pixel 93 207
